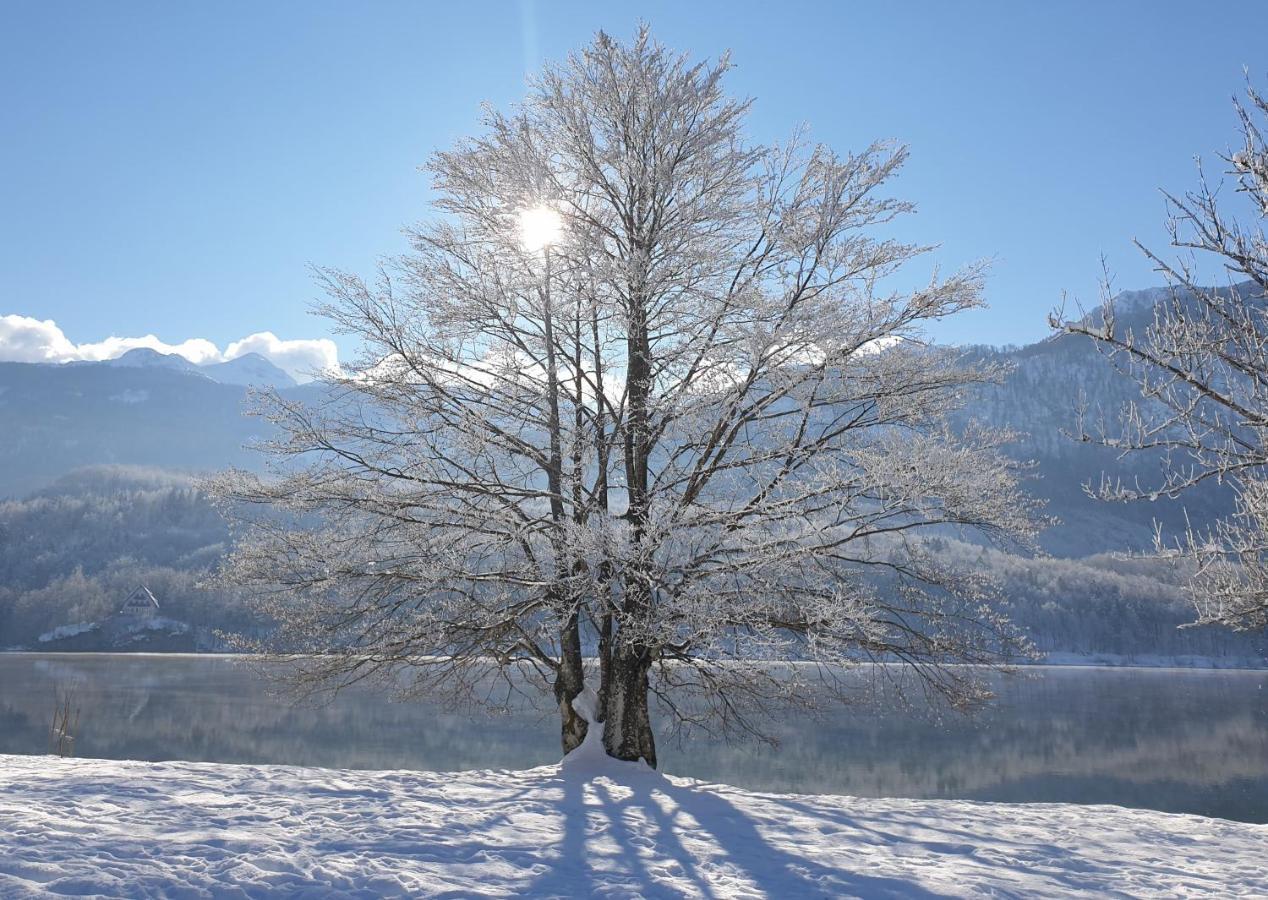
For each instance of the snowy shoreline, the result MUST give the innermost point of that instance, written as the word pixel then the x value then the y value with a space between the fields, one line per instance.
pixel 157 829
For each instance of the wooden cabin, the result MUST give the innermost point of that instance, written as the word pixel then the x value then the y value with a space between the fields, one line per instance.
pixel 140 604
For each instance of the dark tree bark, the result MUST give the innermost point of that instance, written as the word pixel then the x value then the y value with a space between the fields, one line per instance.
pixel 627 723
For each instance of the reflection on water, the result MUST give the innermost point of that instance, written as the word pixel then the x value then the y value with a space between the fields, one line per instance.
pixel 1181 741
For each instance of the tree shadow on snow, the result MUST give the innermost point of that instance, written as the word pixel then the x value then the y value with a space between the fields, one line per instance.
pixel 727 855
pixel 957 839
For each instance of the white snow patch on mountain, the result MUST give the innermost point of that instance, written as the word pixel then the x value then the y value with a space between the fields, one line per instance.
pixel 131 396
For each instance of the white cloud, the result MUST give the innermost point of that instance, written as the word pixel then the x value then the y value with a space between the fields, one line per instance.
pixel 196 350
pixel 25 339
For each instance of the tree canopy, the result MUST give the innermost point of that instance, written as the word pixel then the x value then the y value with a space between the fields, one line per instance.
pixel 647 390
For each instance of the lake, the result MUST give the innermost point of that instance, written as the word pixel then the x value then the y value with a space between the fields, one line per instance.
pixel 1176 740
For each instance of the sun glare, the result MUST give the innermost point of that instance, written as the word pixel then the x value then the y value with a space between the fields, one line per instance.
pixel 539 227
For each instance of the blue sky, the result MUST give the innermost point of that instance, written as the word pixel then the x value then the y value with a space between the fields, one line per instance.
pixel 173 168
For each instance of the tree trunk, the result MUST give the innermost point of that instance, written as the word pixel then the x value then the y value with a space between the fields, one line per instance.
pixel 605 662
pixel 570 679
pixel 627 724
pixel 569 683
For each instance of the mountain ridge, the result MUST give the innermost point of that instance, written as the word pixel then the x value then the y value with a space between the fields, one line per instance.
pixel 251 369
pixel 160 410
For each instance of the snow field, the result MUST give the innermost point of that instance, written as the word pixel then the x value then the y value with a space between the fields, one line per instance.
pixel 588 828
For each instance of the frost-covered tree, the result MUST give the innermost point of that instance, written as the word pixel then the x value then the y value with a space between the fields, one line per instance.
pixel 647 388
pixel 1202 366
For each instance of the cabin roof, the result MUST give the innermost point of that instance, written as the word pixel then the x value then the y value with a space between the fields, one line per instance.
pixel 141 598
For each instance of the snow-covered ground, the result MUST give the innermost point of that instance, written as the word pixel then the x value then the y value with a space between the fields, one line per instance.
pixel 588 828
pixel 65 631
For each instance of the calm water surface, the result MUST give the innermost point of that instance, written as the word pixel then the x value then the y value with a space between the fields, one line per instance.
pixel 1176 740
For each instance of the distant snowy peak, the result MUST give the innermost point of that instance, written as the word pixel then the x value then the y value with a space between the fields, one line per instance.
pixel 144 357
pixel 251 369
pixel 247 369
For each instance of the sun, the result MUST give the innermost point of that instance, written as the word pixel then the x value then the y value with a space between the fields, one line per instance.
pixel 540 227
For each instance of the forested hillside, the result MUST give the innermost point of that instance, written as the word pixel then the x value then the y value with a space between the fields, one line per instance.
pixel 71 553
pixel 1053 388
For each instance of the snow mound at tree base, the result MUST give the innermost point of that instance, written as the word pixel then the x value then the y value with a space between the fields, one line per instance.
pixel 591 759
pixel 130 829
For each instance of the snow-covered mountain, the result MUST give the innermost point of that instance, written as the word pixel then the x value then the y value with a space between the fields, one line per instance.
pixel 147 408
pixel 249 369
pixel 145 358
pixel 1040 400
